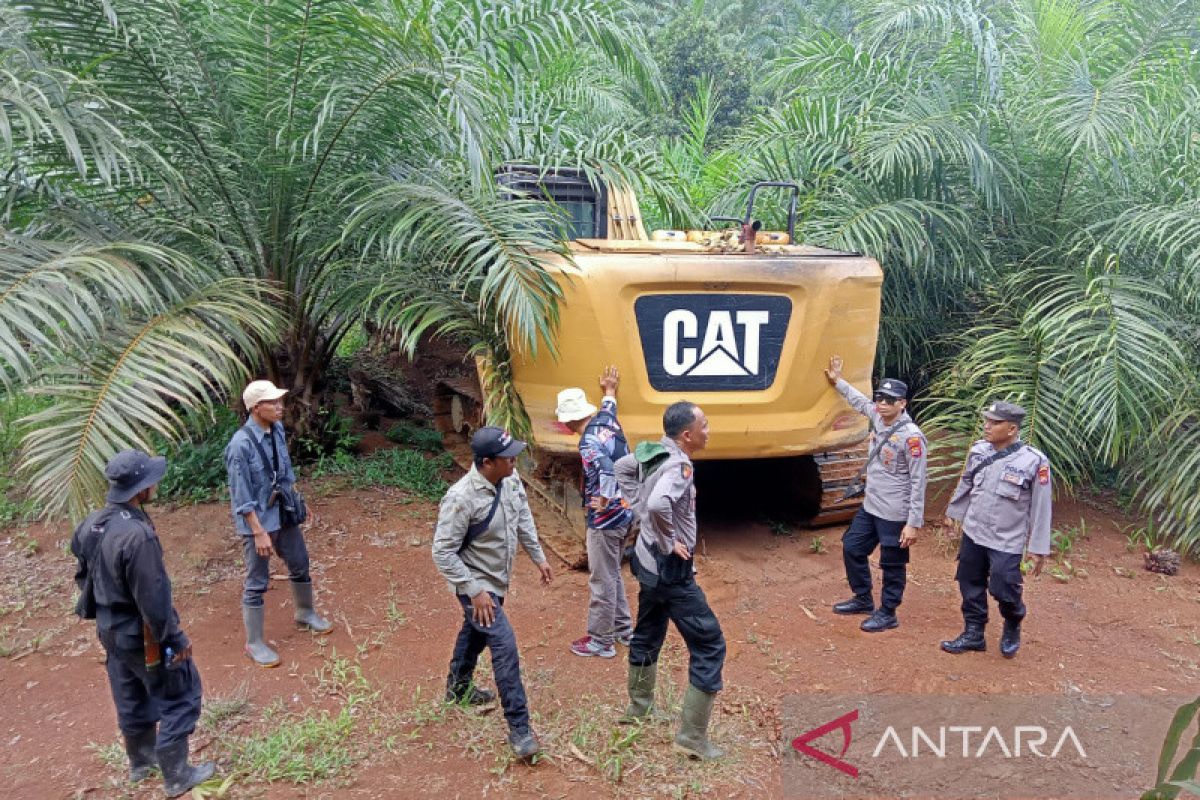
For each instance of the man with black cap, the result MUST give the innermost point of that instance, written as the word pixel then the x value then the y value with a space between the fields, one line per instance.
pixel 482 518
pixel 259 466
pixel 893 510
pixel 1002 505
pixel 124 586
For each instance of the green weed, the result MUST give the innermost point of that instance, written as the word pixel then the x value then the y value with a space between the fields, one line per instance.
pixel 405 469
pixel 111 754
pixel 817 546
pixel 196 466
pixel 416 436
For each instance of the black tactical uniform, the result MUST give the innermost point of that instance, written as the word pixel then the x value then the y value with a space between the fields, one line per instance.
pixel 124 587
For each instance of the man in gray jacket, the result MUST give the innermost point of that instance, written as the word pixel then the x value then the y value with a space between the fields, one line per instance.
pixel 1002 504
pixel 658 481
pixel 481 520
pixel 893 511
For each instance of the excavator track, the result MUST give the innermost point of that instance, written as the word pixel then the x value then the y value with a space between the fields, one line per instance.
pixel 837 469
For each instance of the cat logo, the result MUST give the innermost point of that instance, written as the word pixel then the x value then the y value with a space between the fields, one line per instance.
pixel 721 342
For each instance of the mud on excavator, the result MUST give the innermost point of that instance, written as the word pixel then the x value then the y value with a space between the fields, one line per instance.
pixel 739 320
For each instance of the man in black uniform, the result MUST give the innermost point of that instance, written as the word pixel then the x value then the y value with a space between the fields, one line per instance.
pixel 124 586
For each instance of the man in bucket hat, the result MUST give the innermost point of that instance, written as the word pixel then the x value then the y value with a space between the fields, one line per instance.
pixel 481 519
pixel 1002 506
pixel 258 465
pixel 601 443
pixel 124 586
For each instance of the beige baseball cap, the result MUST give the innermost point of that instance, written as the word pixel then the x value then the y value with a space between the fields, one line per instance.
pixel 573 405
pixel 258 391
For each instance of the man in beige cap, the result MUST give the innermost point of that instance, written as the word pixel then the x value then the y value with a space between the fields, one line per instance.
pixel 601 443
pixel 260 484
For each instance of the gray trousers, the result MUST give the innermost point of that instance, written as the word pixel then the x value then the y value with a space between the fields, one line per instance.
pixel 289 544
pixel 608 608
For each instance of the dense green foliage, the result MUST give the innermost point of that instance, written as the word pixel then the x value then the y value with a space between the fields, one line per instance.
pixel 195 192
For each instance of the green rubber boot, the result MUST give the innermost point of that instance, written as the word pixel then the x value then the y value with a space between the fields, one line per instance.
pixel 692 739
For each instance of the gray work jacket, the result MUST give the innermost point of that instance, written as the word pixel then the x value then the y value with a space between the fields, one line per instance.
pixel 665 503
pixel 486 563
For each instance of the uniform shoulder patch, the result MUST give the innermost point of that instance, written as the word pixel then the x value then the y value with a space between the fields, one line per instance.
pixel 915 448
pixel 686 471
pixel 1044 474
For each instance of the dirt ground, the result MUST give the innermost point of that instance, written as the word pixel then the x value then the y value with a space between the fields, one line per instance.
pixel 1112 627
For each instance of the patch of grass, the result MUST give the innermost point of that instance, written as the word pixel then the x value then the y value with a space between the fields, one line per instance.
pixel 416 436
pixel 817 546
pixel 112 755
pixel 318 744
pixel 1064 540
pixel 1147 536
pixel 405 469
pixel 222 712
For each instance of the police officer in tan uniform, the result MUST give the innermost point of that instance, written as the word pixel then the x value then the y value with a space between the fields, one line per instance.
pixel 1002 505
pixel 893 511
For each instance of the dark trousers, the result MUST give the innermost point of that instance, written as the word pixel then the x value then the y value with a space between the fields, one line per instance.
pixel 866 532
pixel 506 660
pixel 289 544
pixel 982 569
pixel 169 699
pixel 682 602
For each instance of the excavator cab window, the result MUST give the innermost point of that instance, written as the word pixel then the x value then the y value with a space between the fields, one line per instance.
pixel 582 205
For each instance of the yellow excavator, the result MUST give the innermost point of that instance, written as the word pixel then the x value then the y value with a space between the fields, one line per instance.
pixel 739 320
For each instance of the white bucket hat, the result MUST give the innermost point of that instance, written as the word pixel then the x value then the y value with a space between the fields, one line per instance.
pixel 573 405
pixel 258 391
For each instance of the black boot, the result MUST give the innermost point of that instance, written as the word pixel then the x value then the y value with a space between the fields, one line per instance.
pixel 970 639
pixel 140 749
pixel 881 620
pixel 178 775
pixel 524 744
pixel 859 604
pixel 467 692
pixel 1010 639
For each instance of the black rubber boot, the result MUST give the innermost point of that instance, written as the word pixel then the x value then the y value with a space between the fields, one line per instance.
pixel 970 639
pixel 859 604
pixel 1010 639
pixel 140 749
pixel 178 775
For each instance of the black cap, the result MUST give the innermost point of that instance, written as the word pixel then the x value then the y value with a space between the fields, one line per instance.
pixel 892 388
pixel 1001 411
pixel 130 471
pixel 492 442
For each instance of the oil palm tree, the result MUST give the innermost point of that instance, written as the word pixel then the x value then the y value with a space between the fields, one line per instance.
pixel 212 153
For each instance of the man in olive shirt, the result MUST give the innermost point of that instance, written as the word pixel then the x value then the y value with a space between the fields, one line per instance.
pixel 481 520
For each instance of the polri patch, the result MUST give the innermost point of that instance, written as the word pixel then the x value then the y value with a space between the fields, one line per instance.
pixel 915 449
pixel 1044 474
pixel 686 471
